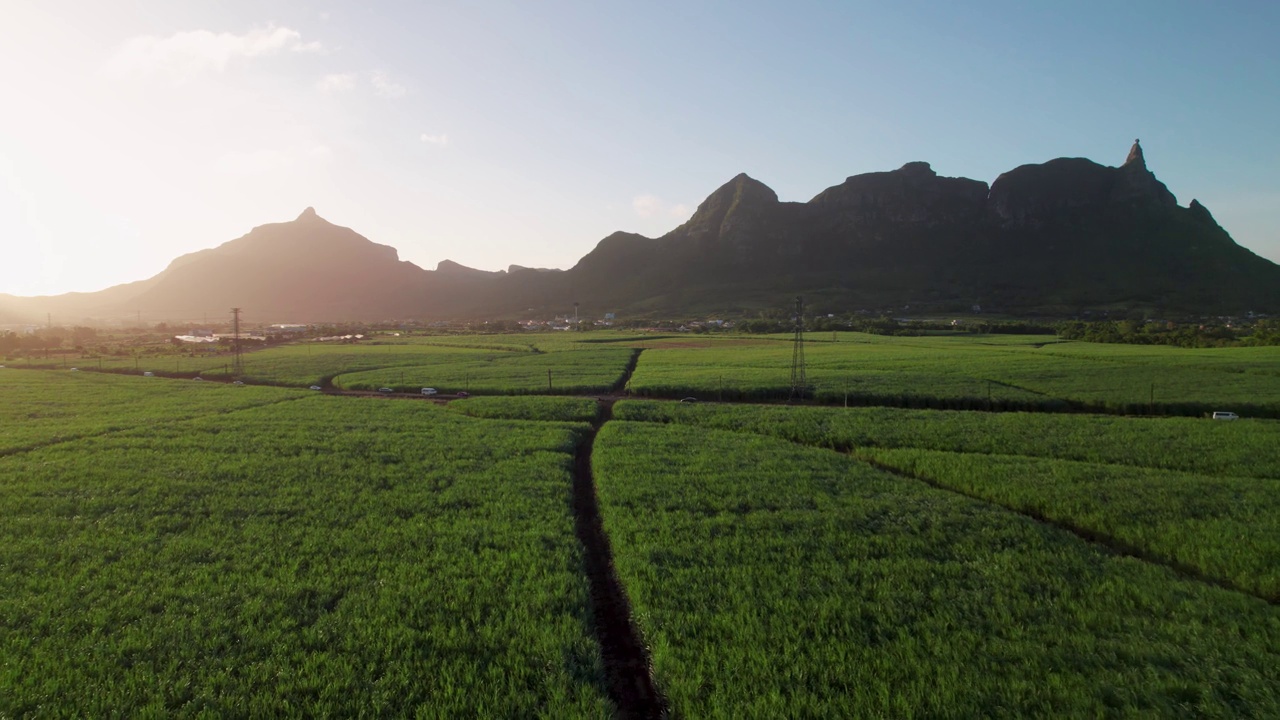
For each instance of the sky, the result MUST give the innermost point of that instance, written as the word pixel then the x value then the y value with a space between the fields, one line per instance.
pixel 498 133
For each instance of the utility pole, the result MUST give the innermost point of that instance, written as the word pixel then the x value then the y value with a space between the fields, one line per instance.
pixel 799 383
pixel 235 329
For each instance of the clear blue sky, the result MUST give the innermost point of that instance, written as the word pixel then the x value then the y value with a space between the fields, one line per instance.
pixel 494 133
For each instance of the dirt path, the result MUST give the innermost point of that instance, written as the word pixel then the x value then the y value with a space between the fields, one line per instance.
pixel 627 666
pixel 621 385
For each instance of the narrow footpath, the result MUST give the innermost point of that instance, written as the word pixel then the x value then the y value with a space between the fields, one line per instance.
pixel 627 665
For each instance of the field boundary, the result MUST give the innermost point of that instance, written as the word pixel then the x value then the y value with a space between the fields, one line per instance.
pixel 1094 537
pixel 627 372
pixel 627 665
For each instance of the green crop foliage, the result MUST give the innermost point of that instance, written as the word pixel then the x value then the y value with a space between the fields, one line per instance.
pixel 1221 527
pixel 1244 448
pixel 43 407
pixel 326 557
pixel 529 407
pixel 572 371
pixel 970 372
pixel 773 580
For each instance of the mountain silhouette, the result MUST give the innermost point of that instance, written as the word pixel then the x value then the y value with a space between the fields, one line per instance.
pixel 1054 237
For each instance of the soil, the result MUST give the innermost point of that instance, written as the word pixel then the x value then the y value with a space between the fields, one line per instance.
pixel 627 665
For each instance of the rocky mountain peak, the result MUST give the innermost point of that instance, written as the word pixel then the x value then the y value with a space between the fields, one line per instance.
pixel 738 204
pixel 918 168
pixel 1135 183
pixel 1135 156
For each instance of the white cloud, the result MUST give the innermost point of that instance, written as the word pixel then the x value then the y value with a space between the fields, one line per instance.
pixel 337 82
pixel 384 86
pixel 441 140
pixel 185 54
pixel 649 206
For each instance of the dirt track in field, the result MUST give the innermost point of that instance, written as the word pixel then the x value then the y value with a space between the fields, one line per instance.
pixel 627 665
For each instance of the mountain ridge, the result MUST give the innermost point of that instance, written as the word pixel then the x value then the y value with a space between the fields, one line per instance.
pixel 1063 234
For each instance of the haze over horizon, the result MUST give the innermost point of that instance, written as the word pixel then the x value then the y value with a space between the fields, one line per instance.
pixel 519 134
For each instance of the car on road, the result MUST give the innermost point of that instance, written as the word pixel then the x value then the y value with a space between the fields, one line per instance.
pixel 316 387
pixel 75 369
pixel 429 391
pixel 148 374
pixel 689 400
pixel 198 379
pixel 385 390
pixel 238 382
pixel 1223 415
pixel 463 394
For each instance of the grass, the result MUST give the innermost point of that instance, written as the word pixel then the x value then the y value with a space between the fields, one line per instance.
pixel 324 557
pixel 773 580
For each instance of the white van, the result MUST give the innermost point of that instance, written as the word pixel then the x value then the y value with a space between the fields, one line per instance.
pixel 1225 416
pixel 428 391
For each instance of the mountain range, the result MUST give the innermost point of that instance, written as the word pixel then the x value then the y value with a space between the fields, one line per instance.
pixel 1054 238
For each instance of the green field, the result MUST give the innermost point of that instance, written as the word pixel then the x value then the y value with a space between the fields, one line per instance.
pixel 186 548
pixel 1244 448
pixel 322 557
pixel 969 372
pixel 962 371
pixel 40 408
pixel 580 370
pixel 773 580
pixel 1198 494
pixel 1222 528
pixel 529 407
pixel 535 363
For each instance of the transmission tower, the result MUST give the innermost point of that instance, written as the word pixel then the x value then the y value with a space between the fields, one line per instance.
pixel 799 384
pixel 238 367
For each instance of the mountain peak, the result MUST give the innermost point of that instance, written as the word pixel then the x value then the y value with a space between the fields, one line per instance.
pixel 1135 156
pixel 917 167
pixel 309 214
